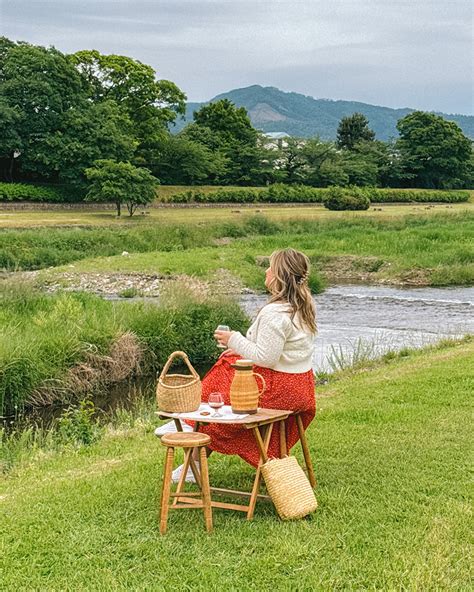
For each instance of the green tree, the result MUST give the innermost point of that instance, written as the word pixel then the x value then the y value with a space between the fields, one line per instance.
pixel 352 130
pixel 38 86
pixel 119 183
pixel 10 139
pixel 94 132
pixel 324 164
pixel 433 150
pixel 231 123
pixel 291 161
pixel 227 131
pixel 150 104
pixel 181 161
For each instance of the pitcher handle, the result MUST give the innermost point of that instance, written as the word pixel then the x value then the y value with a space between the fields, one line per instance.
pixel 264 384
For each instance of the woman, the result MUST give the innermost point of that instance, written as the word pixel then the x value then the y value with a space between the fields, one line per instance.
pixel 280 343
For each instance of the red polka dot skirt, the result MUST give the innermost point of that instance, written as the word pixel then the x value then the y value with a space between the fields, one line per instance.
pixel 284 391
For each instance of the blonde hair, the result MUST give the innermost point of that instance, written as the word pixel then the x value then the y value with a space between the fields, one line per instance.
pixel 290 270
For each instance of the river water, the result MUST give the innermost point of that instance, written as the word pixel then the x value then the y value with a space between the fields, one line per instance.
pixel 367 321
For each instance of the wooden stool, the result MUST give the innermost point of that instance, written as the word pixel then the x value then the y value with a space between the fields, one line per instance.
pixel 189 441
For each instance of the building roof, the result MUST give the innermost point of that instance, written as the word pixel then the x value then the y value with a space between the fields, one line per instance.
pixel 277 135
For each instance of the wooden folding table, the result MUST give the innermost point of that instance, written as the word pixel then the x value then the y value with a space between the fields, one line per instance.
pixel 261 424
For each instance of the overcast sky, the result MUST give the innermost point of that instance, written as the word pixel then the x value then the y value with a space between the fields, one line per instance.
pixel 398 53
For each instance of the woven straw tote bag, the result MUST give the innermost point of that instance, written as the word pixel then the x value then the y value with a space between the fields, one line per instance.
pixel 178 393
pixel 289 488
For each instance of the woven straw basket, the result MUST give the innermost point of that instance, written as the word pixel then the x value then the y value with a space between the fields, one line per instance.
pixel 289 488
pixel 178 393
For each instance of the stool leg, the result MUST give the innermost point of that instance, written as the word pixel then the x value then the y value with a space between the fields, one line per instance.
pixel 166 489
pixel 184 472
pixel 205 488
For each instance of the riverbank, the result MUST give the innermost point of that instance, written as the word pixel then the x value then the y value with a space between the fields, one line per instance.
pixel 391 447
pixel 61 348
pixel 434 249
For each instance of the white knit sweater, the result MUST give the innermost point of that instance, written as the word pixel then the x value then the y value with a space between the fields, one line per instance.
pixel 275 341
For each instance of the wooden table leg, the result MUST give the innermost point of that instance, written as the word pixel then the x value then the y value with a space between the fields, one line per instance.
pixel 166 489
pixel 283 446
pixel 306 453
pixel 262 448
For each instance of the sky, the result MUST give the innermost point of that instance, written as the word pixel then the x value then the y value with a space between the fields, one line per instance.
pixel 396 53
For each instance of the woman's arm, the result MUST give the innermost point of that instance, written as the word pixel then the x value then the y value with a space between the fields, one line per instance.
pixel 271 337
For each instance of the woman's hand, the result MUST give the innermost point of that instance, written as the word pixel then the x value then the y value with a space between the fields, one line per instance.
pixel 222 337
pixel 229 352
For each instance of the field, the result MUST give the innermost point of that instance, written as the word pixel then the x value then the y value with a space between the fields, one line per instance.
pixel 79 217
pixel 391 446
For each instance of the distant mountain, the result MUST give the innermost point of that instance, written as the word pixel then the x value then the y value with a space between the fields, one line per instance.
pixel 272 110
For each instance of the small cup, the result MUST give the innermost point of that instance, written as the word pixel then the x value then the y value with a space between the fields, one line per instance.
pixel 222 328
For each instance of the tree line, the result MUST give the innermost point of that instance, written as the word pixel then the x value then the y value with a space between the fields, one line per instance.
pixel 89 118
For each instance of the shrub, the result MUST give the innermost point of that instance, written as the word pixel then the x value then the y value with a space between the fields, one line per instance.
pixel 342 198
pixel 77 425
pixel 415 195
pixel 38 193
pixel 280 193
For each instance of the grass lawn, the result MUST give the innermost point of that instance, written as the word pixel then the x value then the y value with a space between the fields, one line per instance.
pixel 391 448
pixel 25 219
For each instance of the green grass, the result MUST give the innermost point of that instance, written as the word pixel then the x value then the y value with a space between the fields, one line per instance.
pixel 391 448
pixel 435 250
pixel 43 336
pixel 84 217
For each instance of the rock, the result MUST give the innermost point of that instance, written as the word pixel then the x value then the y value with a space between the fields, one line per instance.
pixel 225 240
pixel 125 253
pixel 262 260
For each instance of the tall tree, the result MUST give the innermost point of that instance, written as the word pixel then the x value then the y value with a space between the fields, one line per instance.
pixel 352 130
pixel 151 104
pixel 181 161
pixel 64 112
pixel 323 164
pixel 227 130
pixel 38 86
pixel 291 160
pixel 230 122
pixel 434 151
pixel 98 131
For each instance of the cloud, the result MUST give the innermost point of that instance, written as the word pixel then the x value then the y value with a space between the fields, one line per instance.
pixel 393 52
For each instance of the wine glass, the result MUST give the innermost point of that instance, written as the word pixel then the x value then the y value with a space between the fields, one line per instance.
pixel 222 328
pixel 216 401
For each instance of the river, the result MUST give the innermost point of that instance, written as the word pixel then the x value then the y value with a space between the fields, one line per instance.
pixel 370 320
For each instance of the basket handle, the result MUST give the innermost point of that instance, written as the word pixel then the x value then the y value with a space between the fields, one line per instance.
pixel 264 384
pixel 179 354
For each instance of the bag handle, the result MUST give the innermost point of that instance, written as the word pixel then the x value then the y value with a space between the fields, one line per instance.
pixel 264 384
pixel 179 354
